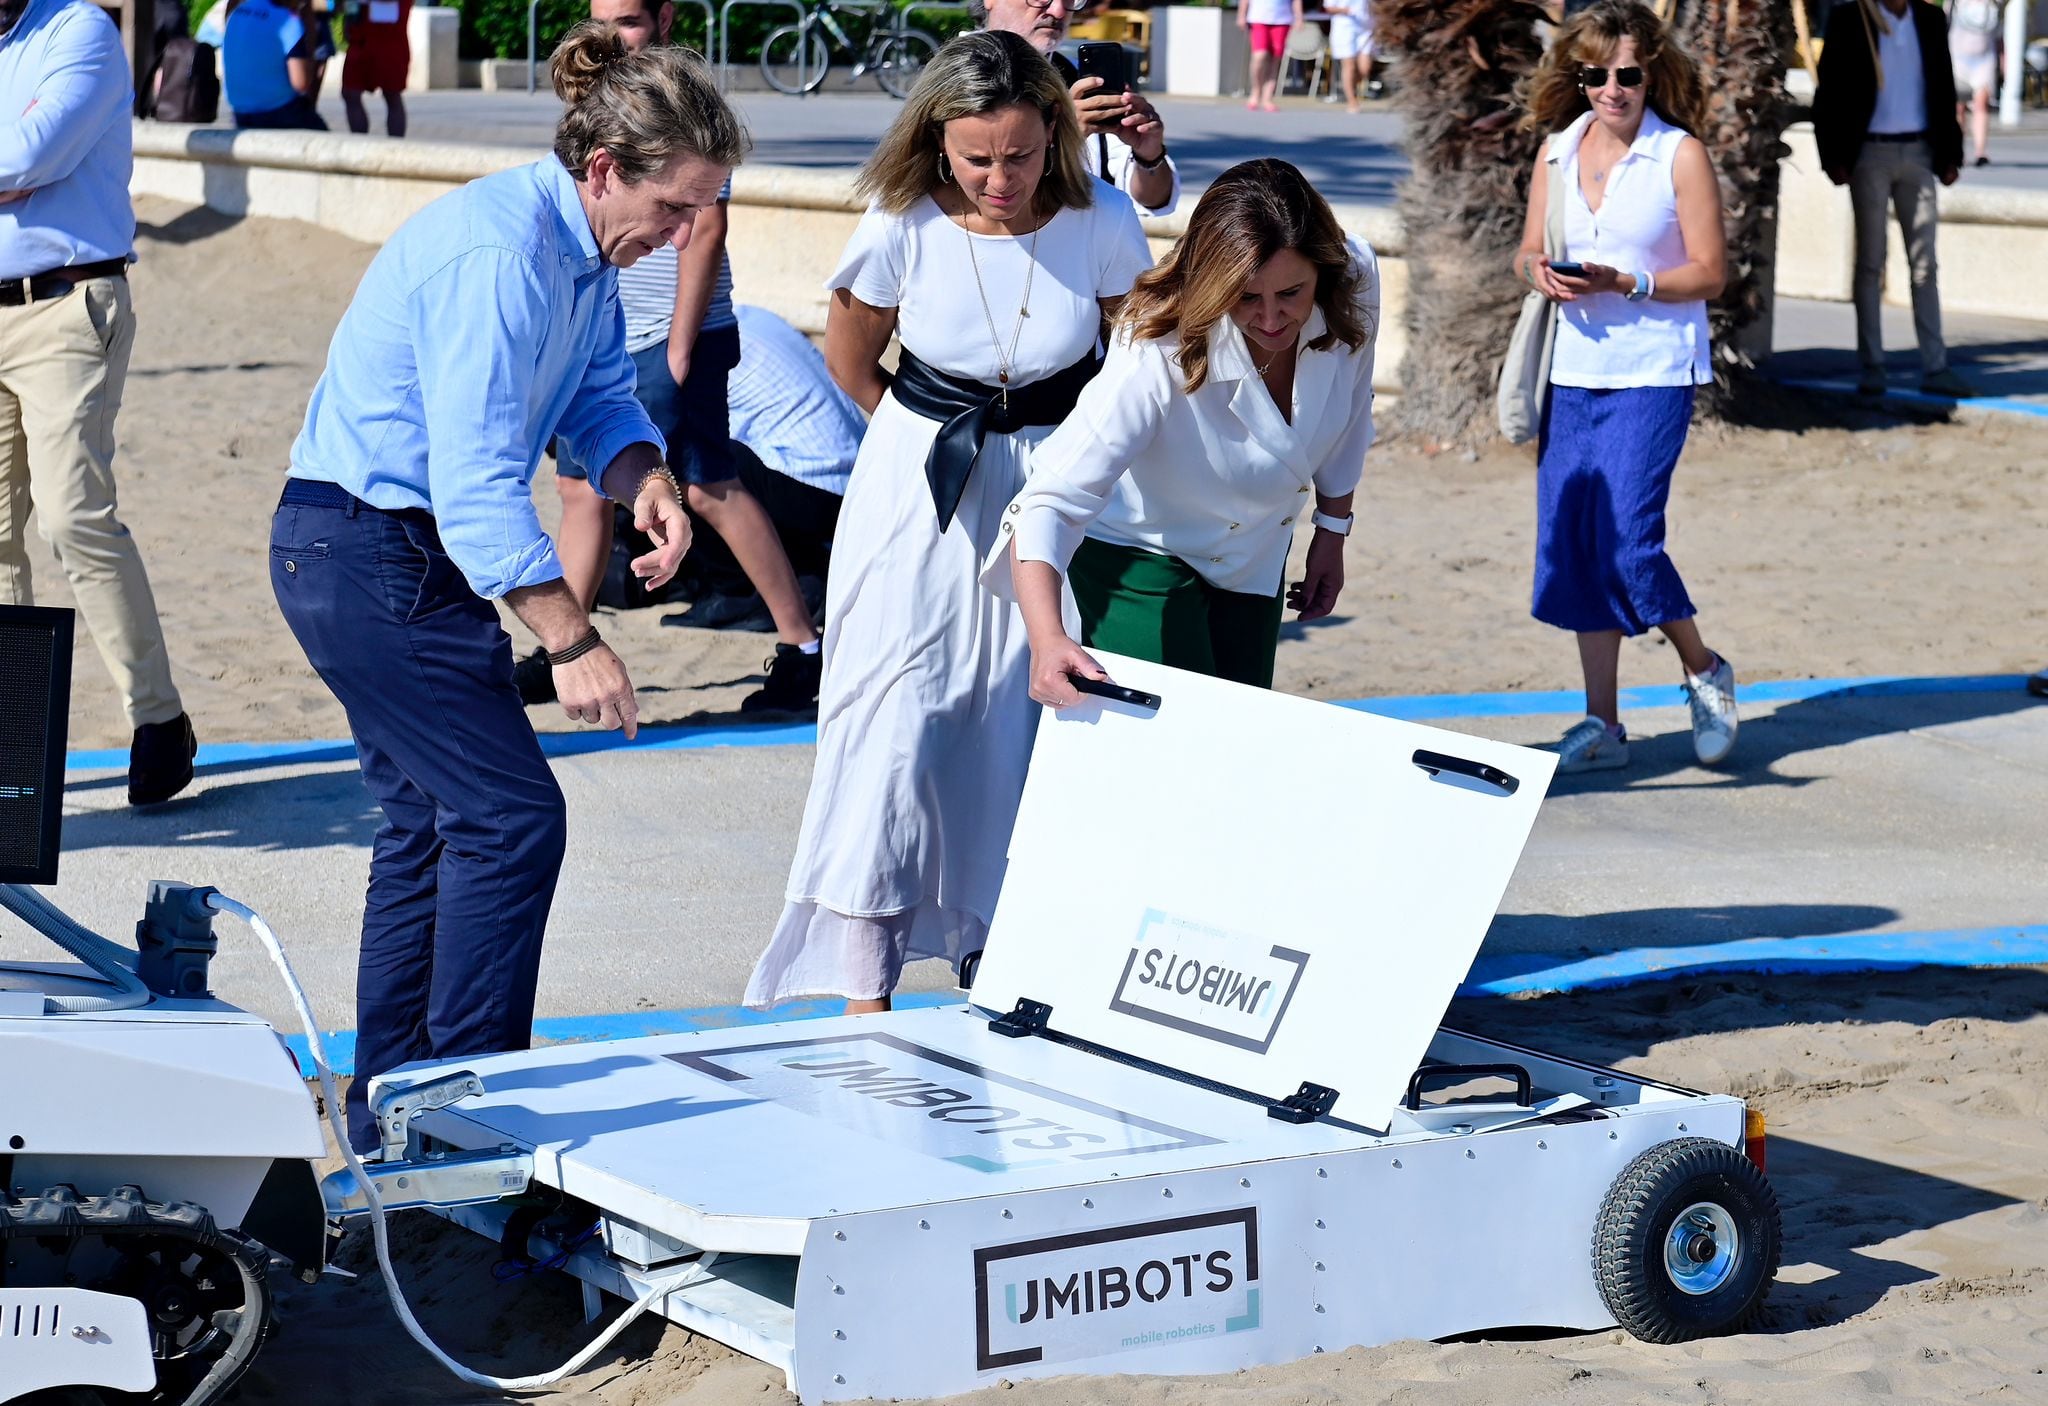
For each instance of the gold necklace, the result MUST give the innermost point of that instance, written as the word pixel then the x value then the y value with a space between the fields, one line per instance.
pixel 1004 361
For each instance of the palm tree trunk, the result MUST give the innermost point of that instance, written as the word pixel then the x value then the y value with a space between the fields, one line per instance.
pixel 1462 205
pixel 1742 46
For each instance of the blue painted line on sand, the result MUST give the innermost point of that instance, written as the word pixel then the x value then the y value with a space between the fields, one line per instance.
pixel 2003 404
pixel 1428 707
pixel 1513 973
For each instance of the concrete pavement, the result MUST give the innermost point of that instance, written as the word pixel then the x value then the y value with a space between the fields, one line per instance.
pixel 1841 813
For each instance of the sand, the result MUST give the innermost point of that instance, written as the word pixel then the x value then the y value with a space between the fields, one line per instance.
pixel 1911 1130
pixel 1862 546
pixel 1908 1114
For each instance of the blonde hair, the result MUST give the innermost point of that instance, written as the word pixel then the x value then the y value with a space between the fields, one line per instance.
pixel 1672 83
pixel 1250 213
pixel 971 75
pixel 645 108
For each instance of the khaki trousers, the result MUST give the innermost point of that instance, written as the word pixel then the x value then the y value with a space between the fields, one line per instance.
pixel 1888 176
pixel 63 362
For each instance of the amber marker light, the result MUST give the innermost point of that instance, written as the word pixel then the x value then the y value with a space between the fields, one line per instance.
pixel 1753 1136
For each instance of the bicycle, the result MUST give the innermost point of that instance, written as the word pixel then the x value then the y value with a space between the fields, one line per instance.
pixel 795 57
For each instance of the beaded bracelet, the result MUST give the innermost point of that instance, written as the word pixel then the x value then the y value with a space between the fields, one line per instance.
pixel 660 471
pixel 557 658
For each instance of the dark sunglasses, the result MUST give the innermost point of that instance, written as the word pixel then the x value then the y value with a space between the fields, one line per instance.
pixel 1593 77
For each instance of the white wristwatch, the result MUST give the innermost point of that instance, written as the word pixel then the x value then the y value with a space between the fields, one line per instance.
pixel 1339 525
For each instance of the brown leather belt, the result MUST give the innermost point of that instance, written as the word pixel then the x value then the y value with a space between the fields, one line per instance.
pixel 17 292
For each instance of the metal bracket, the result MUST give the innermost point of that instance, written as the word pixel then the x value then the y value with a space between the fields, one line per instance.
pixel 1029 1018
pixel 1304 1105
pixel 395 1107
pixel 443 1179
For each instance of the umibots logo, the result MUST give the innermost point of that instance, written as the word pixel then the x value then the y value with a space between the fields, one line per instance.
pixel 1068 1297
pixel 1207 982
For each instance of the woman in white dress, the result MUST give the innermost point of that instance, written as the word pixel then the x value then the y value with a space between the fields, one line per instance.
pixel 1238 385
pixel 993 257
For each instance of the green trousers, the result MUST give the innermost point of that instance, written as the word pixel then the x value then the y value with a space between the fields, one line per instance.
pixel 1153 606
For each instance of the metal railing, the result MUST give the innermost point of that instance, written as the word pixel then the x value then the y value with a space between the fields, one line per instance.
pixel 958 7
pixel 712 38
pixel 803 46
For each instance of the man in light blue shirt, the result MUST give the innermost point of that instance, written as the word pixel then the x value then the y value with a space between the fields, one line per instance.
pixel 489 323
pixel 66 232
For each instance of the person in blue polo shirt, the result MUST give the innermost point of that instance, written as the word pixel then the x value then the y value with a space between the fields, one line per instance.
pixel 487 325
pixel 267 67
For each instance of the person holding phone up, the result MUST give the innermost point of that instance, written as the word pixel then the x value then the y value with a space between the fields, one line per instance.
pixel 1239 382
pixel 1644 251
pixel 1135 162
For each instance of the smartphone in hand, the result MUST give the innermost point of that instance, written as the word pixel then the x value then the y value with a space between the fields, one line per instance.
pixel 1105 60
pixel 1565 268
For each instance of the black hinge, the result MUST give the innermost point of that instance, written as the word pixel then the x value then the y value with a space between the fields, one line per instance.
pixel 1304 1105
pixel 1029 1018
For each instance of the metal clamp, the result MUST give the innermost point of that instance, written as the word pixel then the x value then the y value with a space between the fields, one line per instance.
pixel 395 1107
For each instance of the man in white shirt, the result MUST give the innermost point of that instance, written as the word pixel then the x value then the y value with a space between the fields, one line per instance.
pixel 1136 162
pixel 1884 117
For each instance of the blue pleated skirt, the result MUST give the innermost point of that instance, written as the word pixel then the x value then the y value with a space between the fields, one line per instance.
pixel 1603 474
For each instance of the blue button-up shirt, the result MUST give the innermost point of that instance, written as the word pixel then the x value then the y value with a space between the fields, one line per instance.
pixel 64 137
pixel 487 325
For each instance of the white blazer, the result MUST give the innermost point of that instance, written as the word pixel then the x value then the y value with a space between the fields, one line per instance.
pixel 1219 478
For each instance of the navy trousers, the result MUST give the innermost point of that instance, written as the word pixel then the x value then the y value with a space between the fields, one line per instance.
pixel 463 869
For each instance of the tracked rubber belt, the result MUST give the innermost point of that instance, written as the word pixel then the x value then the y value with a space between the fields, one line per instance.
pixel 202 1344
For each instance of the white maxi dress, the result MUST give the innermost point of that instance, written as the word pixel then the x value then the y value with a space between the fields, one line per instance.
pixel 924 718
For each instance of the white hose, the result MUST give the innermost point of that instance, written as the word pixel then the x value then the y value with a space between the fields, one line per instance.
pixel 109 961
pixel 223 904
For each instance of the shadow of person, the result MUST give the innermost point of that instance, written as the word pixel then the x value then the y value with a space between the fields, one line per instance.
pixel 1808 725
pixel 298 810
pixel 1532 942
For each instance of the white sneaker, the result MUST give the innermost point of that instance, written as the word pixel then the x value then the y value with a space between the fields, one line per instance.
pixel 1712 696
pixel 1589 746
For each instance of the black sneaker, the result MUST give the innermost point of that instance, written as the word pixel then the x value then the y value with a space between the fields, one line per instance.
pixel 792 685
pixel 722 612
pixel 534 677
pixel 160 761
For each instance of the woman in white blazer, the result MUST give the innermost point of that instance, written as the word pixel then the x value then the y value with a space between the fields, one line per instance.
pixel 1238 384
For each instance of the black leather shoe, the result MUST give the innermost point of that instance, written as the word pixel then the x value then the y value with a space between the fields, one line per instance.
pixel 160 761
pixel 2037 684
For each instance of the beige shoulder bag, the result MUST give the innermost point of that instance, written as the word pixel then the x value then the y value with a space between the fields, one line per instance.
pixel 1525 374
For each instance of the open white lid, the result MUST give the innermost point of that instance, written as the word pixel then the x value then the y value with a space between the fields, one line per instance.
pixel 1253 888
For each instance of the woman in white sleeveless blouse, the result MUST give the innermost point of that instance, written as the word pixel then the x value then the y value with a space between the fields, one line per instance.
pixel 1643 252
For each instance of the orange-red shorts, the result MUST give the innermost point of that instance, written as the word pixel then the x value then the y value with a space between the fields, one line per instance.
pixel 377 59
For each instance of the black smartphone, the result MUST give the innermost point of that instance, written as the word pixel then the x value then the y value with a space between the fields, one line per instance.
pixel 1566 268
pixel 1103 688
pixel 1101 59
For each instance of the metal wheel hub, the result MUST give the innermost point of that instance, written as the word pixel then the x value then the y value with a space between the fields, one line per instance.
pixel 1701 1248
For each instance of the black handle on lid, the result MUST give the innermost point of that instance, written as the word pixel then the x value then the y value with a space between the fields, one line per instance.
pixel 1468 1071
pixel 1436 762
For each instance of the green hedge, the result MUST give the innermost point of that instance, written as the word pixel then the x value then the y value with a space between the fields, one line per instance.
pixel 497 28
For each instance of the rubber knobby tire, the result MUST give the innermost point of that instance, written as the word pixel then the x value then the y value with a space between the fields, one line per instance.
pixel 1637 1214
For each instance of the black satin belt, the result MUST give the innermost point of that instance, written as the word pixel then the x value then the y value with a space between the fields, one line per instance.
pixel 968 412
